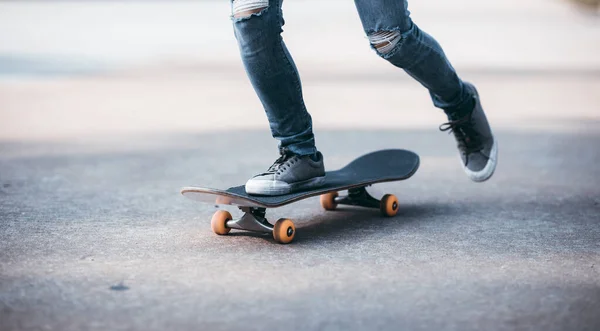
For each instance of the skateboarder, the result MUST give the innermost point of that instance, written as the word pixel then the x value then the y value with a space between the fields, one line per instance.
pixel 394 37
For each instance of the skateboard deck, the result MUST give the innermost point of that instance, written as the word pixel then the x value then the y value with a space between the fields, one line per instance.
pixel 375 167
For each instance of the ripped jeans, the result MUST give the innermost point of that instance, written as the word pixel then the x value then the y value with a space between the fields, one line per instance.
pixel 392 35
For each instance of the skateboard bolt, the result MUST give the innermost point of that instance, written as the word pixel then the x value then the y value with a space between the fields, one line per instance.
pixel 395 206
pixel 290 231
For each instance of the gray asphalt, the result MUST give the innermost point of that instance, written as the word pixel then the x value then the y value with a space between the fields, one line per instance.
pixel 99 238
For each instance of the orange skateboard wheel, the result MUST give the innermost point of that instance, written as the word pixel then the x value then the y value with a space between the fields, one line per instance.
pixel 328 200
pixel 389 205
pixel 284 231
pixel 218 223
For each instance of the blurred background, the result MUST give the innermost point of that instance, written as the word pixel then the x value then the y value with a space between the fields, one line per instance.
pixel 95 69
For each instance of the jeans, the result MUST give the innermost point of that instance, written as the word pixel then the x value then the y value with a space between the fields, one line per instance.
pixel 392 35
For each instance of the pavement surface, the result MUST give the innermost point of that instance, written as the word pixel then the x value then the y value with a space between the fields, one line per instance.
pixel 100 240
pixel 107 109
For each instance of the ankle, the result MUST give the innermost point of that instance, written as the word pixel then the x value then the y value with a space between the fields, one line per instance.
pixel 315 157
pixel 463 110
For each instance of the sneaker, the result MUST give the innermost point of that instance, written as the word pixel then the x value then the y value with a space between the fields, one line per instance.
pixel 288 174
pixel 477 146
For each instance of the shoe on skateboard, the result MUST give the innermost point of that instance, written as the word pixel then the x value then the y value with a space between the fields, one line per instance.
pixel 289 173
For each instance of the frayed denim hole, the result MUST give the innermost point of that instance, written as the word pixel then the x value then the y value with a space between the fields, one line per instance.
pixel 389 40
pixel 403 36
pixel 248 5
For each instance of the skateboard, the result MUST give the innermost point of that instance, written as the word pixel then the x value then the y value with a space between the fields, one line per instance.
pixel 375 167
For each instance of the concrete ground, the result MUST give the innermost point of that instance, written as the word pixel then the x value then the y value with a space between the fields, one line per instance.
pixel 94 234
pixel 102 240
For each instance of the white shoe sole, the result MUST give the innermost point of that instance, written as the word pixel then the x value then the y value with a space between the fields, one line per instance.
pixel 487 172
pixel 276 187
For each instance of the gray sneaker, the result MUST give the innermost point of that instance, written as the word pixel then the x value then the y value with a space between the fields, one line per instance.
pixel 289 173
pixel 477 146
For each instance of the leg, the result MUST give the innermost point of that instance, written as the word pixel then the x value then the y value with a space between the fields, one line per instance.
pixel 272 72
pixel 396 38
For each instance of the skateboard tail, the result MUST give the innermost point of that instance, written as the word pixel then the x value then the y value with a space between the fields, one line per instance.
pixel 217 197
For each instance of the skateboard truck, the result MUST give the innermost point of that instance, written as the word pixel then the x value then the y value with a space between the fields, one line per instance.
pixel 358 196
pixel 253 220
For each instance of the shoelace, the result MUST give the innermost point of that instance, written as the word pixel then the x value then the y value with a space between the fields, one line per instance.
pixel 282 163
pixel 466 135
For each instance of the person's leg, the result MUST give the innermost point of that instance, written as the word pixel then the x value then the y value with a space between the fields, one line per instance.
pixel 396 38
pixel 274 77
pixel 257 27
